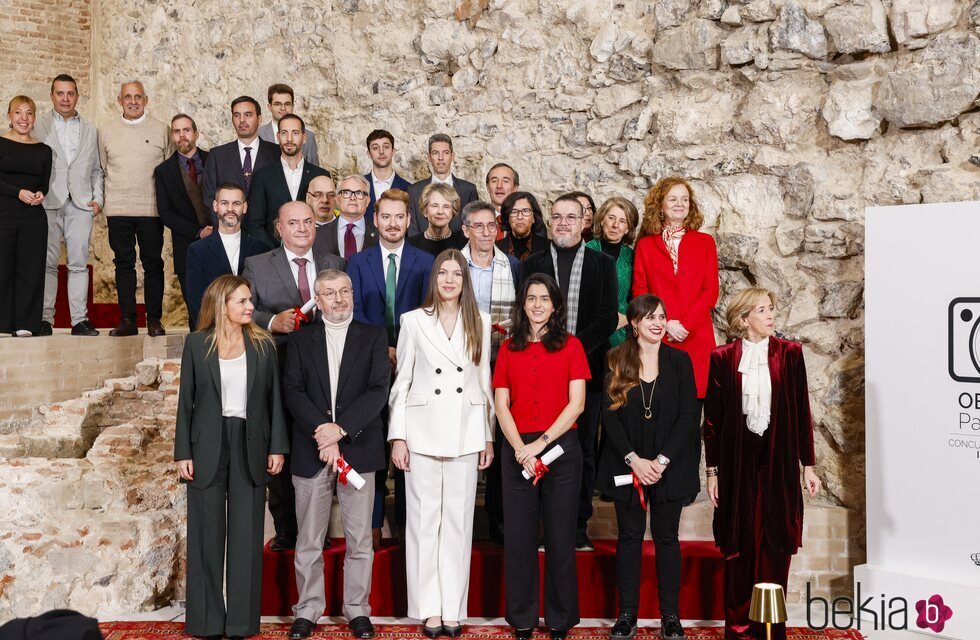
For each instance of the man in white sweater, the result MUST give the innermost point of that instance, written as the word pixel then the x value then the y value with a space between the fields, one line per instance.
pixel 131 147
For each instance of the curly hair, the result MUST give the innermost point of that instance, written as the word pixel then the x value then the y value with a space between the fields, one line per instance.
pixel 653 214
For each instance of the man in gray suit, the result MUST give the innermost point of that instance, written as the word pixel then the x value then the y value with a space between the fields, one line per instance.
pixel 440 157
pixel 282 280
pixel 281 103
pixel 74 199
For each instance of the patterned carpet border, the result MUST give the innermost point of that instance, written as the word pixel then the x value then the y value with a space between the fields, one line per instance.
pixel 175 631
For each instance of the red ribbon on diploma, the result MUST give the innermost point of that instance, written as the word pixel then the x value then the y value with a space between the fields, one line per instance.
pixel 344 469
pixel 498 329
pixel 299 318
pixel 639 489
pixel 540 469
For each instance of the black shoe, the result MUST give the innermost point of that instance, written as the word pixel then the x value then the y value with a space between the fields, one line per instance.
pixel 625 627
pixel 496 533
pixel 431 632
pixel 45 329
pixel 361 627
pixel 670 628
pixel 557 634
pixel 302 628
pixel 523 634
pixel 452 632
pixel 282 542
pixel 154 329
pixel 84 328
pixel 582 543
pixel 125 327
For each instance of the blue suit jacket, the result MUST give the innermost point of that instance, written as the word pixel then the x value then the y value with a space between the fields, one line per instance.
pixel 398 183
pixel 206 260
pixel 368 278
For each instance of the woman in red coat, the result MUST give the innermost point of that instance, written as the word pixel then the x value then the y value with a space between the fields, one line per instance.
pixel 757 434
pixel 679 264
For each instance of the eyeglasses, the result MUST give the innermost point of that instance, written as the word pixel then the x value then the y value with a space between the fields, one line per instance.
pixel 569 218
pixel 320 195
pixel 280 105
pixel 522 213
pixel 357 195
pixel 346 292
pixel 484 227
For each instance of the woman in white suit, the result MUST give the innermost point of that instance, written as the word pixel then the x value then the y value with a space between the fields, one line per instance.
pixel 441 434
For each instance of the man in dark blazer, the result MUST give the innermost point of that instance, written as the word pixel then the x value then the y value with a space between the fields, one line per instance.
pixel 440 157
pixel 237 161
pixel 335 385
pixel 394 265
pixel 279 182
pixel 282 280
pixel 223 252
pixel 381 150
pixel 180 199
pixel 587 279
pixel 353 230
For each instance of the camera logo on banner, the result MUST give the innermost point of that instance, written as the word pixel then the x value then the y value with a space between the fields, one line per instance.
pixel 964 339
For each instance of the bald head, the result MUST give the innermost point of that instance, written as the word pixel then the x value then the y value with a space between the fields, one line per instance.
pixel 320 196
pixel 296 226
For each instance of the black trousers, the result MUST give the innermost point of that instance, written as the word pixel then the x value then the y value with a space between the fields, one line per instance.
pixel 208 528
pixel 125 232
pixel 665 519
pixel 191 321
pixel 282 497
pixel 493 499
pixel 23 254
pixel 180 246
pixel 588 429
pixel 552 500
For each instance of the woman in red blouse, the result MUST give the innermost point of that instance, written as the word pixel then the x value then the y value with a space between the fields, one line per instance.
pixel 539 385
pixel 679 264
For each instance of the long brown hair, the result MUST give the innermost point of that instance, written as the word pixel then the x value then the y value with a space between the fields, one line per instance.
pixel 470 310
pixel 653 207
pixel 624 360
pixel 211 319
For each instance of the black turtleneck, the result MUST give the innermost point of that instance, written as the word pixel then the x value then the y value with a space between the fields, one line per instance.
pixel 566 257
pixel 610 249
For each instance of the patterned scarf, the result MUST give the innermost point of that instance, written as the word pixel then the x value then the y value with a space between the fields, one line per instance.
pixel 672 238
pixel 502 295
pixel 574 285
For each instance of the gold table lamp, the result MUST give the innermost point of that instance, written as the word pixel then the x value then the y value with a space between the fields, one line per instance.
pixel 768 605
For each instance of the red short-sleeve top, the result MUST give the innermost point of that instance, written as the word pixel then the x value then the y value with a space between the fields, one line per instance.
pixel 538 381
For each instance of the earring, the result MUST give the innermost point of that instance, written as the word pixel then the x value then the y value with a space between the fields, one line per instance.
pixel 635 332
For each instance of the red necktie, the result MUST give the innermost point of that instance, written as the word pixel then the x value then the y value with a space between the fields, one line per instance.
pixel 350 242
pixel 301 281
pixel 192 170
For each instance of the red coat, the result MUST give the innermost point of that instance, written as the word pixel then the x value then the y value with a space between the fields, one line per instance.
pixel 789 437
pixel 689 295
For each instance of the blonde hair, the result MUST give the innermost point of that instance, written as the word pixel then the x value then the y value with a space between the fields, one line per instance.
pixel 632 217
pixel 16 101
pixel 741 306
pixel 653 207
pixel 212 315
pixel 443 190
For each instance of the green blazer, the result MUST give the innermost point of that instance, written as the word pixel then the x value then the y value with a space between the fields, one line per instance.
pixel 624 283
pixel 198 435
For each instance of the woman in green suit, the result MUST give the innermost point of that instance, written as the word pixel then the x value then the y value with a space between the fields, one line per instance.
pixel 231 436
pixel 614 229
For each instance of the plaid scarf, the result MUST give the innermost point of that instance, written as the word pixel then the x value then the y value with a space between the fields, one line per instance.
pixel 669 236
pixel 502 295
pixel 574 285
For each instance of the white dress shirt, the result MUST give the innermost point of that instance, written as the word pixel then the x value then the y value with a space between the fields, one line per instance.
pixel 359 228
pixel 380 186
pixel 253 145
pixel 234 383
pixel 448 181
pixel 69 133
pixel 398 259
pixel 310 267
pixel 232 242
pixel 293 176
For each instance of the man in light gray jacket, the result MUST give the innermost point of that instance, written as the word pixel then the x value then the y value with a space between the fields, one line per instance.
pixel 74 199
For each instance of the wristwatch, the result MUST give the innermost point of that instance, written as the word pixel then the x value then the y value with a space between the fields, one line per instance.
pixel 545 438
pixel 343 434
pixel 630 457
pixel 662 459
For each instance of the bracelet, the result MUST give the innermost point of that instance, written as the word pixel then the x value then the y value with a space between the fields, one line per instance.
pixel 711 472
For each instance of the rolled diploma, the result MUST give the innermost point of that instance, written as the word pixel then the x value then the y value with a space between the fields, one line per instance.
pixel 622 481
pixel 353 477
pixel 547 458
pixel 306 308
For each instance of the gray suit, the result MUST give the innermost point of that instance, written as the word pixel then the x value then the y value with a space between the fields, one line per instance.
pixel 75 182
pixel 311 154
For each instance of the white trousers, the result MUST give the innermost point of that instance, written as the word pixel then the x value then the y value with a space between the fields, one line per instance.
pixel 439 498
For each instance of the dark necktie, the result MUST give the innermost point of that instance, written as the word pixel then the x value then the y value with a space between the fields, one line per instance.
pixel 192 170
pixel 391 285
pixel 350 242
pixel 247 168
pixel 301 281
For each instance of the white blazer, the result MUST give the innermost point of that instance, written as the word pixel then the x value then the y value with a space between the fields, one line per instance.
pixel 441 403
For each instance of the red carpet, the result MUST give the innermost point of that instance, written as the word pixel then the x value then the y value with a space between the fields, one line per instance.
pixel 701 590
pixel 100 314
pixel 175 631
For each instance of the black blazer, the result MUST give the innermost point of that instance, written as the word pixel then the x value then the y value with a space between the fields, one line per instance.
pixel 598 304
pixel 676 435
pixel 198 433
pixel 269 192
pixel 326 235
pixel 225 165
pixel 175 207
pixel 206 260
pixel 362 393
pixel 417 222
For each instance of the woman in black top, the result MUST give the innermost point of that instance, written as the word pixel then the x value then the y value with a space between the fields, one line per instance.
pixel 439 203
pixel 523 224
pixel 25 169
pixel 650 417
